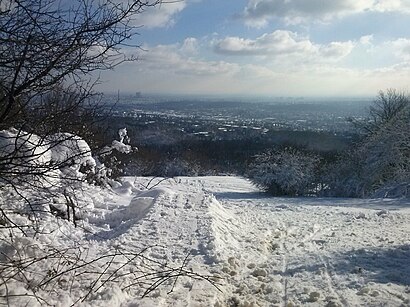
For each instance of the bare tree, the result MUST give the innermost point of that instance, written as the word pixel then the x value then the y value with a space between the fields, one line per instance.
pixel 387 106
pixel 46 42
pixel 49 50
pixel 379 163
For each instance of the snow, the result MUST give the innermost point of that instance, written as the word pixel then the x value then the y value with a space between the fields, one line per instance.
pixel 30 147
pixel 70 152
pixel 58 154
pixel 121 147
pixel 68 147
pixel 260 250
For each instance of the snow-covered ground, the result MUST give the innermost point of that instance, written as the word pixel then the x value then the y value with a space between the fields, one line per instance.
pixel 258 250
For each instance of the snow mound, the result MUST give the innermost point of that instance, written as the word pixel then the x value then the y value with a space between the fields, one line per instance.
pixel 143 202
pixel 121 147
pixel 29 153
pixel 71 154
pixel 25 148
pixel 225 238
pixel 137 208
pixel 66 148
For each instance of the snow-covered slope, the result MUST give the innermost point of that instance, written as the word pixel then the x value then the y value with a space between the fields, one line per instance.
pixel 259 250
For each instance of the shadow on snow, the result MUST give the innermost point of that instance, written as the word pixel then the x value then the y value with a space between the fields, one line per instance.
pixel 380 265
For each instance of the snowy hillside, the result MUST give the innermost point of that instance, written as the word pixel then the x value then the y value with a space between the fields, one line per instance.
pixel 256 250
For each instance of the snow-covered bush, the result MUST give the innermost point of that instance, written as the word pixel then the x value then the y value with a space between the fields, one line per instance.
pixel 344 178
pixel 386 155
pixel 71 154
pixel 379 165
pixel 21 151
pixel 107 159
pixel 176 167
pixel 44 161
pixel 285 172
pixel 27 157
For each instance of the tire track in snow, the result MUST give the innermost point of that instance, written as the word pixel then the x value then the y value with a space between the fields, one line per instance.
pixel 285 272
pixel 325 271
pixel 284 252
pixel 292 268
pixel 329 278
pixel 325 266
pixel 291 239
pixel 286 247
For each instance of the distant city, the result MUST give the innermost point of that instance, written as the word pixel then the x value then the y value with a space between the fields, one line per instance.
pixel 227 118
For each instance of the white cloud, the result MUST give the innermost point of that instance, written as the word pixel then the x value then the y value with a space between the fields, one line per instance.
pixel 282 43
pixel 366 39
pixel 336 50
pixel 248 79
pixel 401 48
pixel 277 63
pixel 277 42
pixel 258 13
pixel 162 15
pixel 392 5
pixel 171 59
pixel 190 46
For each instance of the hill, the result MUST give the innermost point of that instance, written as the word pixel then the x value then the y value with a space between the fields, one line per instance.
pixel 218 241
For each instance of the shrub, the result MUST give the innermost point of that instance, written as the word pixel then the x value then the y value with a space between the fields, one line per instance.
pixel 379 165
pixel 287 172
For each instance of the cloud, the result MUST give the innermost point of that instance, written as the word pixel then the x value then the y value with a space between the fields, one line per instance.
pixel 190 46
pixel 392 6
pixel 172 59
pixel 282 43
pixel 277 63
pixel 258 13
pixel 366 39
pixel 277 42
pixel 401 48
pixel 205 77
pixel 162 15
pixel 336 50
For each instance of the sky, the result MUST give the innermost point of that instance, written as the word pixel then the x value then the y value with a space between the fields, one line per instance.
pixel 308 48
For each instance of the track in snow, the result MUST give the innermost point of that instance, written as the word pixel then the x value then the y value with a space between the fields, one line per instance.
pixel 308 249
pixel 276 251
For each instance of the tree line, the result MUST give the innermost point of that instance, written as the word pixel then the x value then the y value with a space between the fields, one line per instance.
pixel 376 165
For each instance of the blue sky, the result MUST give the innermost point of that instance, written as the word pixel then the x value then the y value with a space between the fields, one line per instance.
pixel 269 48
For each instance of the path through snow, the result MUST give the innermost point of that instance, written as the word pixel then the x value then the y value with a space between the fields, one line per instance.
pixel 271 251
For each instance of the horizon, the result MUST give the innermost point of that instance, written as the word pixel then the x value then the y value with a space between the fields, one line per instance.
pixel 244 97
